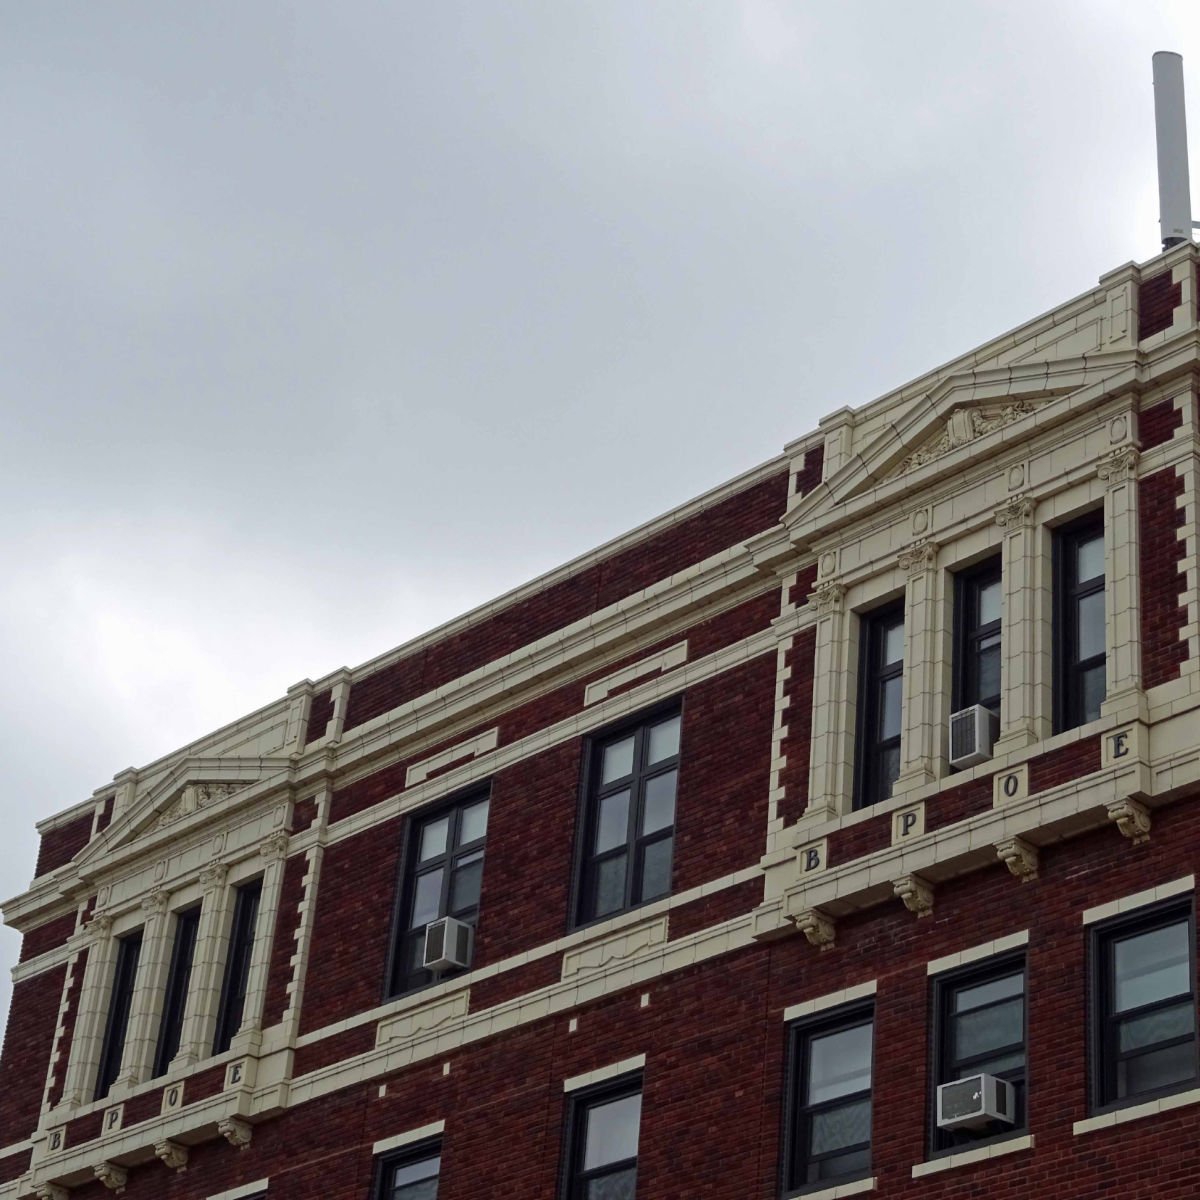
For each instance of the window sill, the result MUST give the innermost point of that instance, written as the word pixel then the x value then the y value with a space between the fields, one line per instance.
pixel 855 1187
pixel 1135 1112
pixel 965 1158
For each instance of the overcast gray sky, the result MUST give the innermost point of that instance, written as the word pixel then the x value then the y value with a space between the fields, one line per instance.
pixel 322 323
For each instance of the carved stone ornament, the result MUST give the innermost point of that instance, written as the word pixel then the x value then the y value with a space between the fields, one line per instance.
pixel 113 1177
pixel 919 557
pixel 156 902
pixel 100 926
pixel 817 927
pixel 51 1191
pixel 236 1131
pixel 172 1154
pixel 1132 819
pixel 916 894
pixel 1119 467
pixel 275 847
pixel 1015 512
pixel 963 426
pixel 1019 857
pixel 197 796
pixel 213 875
pixel 828 597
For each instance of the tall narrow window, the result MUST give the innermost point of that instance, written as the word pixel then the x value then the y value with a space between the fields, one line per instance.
pixel 237 964
pixel 443 877
pixel 881 694
pixel 410 1174
pixel 977 618
pixel 129 949
pixel 603 1126
pixel 170 1028
pixel 828 1133
pixel 980 1029
pixel 1080 633
pixel 629 823
pixel 1144 1009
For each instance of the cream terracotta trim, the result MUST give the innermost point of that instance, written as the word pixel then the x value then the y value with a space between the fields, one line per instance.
pixel 806 1008
pixel 387 1144
pixel 663 662
pixel 1114 908
pixel 477 746
pixel 242 1191
pixel 1011 941
pixel 856 1187
pixel 1135 1112
pixel 603 1074
pixel 966 1158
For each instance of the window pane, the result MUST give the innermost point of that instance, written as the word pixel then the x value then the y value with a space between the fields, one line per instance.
pixel 474 823
pixel 433 838
pixel 986 993
pixel 620 1185
pixel 612 828
pixel 890 697
pixel 1089 559
pixel 465 882
pixel 1152 966
pixel 610 885
pixel 1158 1069
pixel 985 1029
pixel 427 898
pixel 618 760
pixel 835 1128
pixel 839 1064
pixel 664 741
pixel 1090 618
pixel 1164 1025
pixel 854 1162
pixel 612 1131
pixel 1091 693
pixel 995 1066
pixel 413 1172
pixel 893 643
pixel 989 668
pixel 656 869
pixel 989 602
pixel 889 771
pixel 658 807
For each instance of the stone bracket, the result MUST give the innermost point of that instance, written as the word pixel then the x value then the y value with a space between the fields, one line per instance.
pixel 1020 857
pixel 236 1131
pixel 51 1191
pixel 172 1154
pixel 112 1176
pixel 1132 818
pixel 916 893
pixel 820 929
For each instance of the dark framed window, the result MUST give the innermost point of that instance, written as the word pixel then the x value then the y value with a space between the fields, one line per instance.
pixel 979 1028
pixel 827 1134
pixel 129 950
pixel 237 964
pixel 1079 642
pixel 880 703
pixel 628 829
pixel 409 1174
pixel 1143 1006
pixel 977 637
pixel 183 950
pixel 443 875
pixel 602 1141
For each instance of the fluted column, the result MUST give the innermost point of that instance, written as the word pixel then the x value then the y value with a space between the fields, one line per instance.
pixel 830 777
pixel 1122 583
pixel 212 944
pixel 84 1059
pixel 922 707
pixel 149 987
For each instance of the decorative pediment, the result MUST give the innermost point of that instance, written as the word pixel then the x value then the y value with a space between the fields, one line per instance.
pixel 192 798
pixel 960 428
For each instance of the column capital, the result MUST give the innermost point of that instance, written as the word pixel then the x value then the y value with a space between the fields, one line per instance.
pixel 1118 466
pixel 918 558
pixel 827 597
pixel 1016 512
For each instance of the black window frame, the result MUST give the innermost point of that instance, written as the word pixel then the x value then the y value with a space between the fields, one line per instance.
pixel 796 1164
pixel 383 1184
pixel 592 792
pixel 970 632
pixel 1068 591
pixel 574 1179
pixel 120 1007
pixel 945 1068
pixel 399 981
pixel 873 674
pixel 1103 1023
pixel 242 936
pixel 183 954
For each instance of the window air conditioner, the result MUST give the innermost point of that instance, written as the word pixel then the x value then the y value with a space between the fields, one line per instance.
pixel 972 733
pixel 447 944
pixel 975 1101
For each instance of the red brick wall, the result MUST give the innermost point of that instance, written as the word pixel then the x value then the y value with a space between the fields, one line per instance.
pixel 284 945
pixel 1163 582
pixel 809 474
pixel 1158 298
pixel 1158 424
pixel 13 1166
pixel 320 713
pixel 1069 762
pixel 28 1040
pixel 69 1018
pixel 806 581
pixel 797 746
pixel 50 936
pixel 61 845
pixel 712 910
pixel 105 818
pixel 689 541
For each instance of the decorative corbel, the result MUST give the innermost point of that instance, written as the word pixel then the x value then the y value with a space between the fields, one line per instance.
pixel 1118 467
pixel 817 927
pixel 274 847
pixel 916 894
pixel 1016 511
pixel 113 1177
pixel 51 1191
pixel 827 597
pixel 919 557
pixel 1132 819
pixel 236 1131
pixel 1019 856
pixel 156 902
pixel 100 926
pixel 172 1154
pixel 214 875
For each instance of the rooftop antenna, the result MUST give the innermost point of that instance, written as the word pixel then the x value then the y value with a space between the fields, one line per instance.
pixel 1170 127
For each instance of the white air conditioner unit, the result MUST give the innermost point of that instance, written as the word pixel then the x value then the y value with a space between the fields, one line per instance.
pixel 447 945
pixel 973 732
pixel 975 1101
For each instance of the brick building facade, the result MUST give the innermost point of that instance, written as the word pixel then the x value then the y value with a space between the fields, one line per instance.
pixel 734 916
